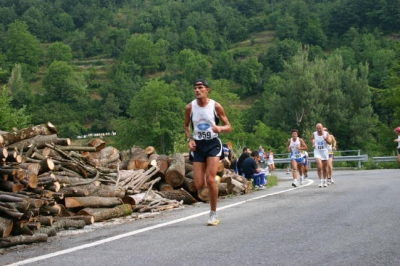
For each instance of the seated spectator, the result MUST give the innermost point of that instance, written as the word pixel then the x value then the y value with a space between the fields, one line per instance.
pixel 252 170
pixel 243 156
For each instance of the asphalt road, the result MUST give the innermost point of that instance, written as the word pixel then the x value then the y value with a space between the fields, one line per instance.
pixel 356 221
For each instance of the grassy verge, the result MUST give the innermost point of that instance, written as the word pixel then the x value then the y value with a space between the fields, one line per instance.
pixel 272 181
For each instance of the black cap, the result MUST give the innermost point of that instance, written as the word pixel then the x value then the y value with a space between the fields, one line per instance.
pixel 201 82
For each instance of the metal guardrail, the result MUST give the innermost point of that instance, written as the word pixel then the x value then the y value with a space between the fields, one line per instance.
pixel 350 158
pixel 384 159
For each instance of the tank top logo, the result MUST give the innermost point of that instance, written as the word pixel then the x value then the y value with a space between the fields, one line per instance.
pixel 320 145
pixel 203 126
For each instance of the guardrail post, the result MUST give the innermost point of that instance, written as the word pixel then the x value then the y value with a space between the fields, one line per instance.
pixel 359 162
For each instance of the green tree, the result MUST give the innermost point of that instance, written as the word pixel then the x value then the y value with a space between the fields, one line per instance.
pixel 193 65
pixel 313 33
pixel 37 23
pixel 21 94
pixel 381 63
pixel 59 51
pixel 156 116
pixel 224 66
pixel 69 119
pixel 286 27
pixel 63 84
pixel 22 47
pixel 110 110
pixel 308 92
pixel 141 50
pixel 11 117
pixel 189 39
pixel 277 55
pixel 247 74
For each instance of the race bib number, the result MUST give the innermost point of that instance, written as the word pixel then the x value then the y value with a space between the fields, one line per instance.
pixel 320 145
pixel 204 135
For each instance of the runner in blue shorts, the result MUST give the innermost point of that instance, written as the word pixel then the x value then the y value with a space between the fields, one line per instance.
pixel 296 146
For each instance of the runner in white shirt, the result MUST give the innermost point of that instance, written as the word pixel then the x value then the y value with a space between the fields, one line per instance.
pixel 296 146
pixel 320 140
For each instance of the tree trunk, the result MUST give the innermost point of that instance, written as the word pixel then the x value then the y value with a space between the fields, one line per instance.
pixel 175 175
pixel 86 218
pixel 10 186
pixel 164 186
pixel 46 220
pixel 97 143
pixel 92 202
pixel 203 194
pixel 101 214
pixel 178 194
pixel 188 167
pixel 76 148
pixel 22 239
pixel 3 153
pixel 139 160
pixel 6 226
pixel 26 133
pixel 37 141
pixel 162 163
pixel 150 150
pixel 11 173
pixel 189 185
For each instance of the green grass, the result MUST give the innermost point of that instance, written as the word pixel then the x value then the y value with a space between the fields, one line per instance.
pixel 272 181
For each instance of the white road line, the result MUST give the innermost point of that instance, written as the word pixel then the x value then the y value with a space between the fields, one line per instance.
pixel 106 240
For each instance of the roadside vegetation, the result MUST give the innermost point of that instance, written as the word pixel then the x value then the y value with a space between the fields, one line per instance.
pixel 128 67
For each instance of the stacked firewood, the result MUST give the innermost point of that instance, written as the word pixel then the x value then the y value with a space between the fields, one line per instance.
pixel 46 184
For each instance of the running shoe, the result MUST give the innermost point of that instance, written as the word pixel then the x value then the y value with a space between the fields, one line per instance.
pixel 325 183
pixel 294 183
pixel 213 219
pixel 306 175
pixel 332 182
pixel 320 183
pixel 329 181
pixel 256 187
pixel 301 180
pixel 261 187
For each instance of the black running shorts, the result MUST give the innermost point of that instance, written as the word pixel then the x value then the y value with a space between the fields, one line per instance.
pixel 207 148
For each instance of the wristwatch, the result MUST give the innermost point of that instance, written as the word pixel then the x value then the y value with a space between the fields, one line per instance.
pixel 188 139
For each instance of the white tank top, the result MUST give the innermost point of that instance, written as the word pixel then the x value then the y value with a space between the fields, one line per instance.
pixel 295 153
pixel 202 120
pixel 398 143
pixel 320 143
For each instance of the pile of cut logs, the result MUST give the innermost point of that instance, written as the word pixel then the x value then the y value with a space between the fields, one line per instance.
pixel 47 184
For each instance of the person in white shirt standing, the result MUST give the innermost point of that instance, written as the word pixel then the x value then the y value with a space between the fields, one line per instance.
pixel 205 147
pixel 270 161
pixel 320 140
pixel 397 131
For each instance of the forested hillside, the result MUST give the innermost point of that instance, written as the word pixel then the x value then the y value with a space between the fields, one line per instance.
pixel 128 66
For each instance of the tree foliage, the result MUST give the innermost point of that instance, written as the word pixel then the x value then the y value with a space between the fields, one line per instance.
pixel 11 117
pixel 309 92
pixel 275 65
pixel 156 116
pixel 63 84
pixel 22 47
